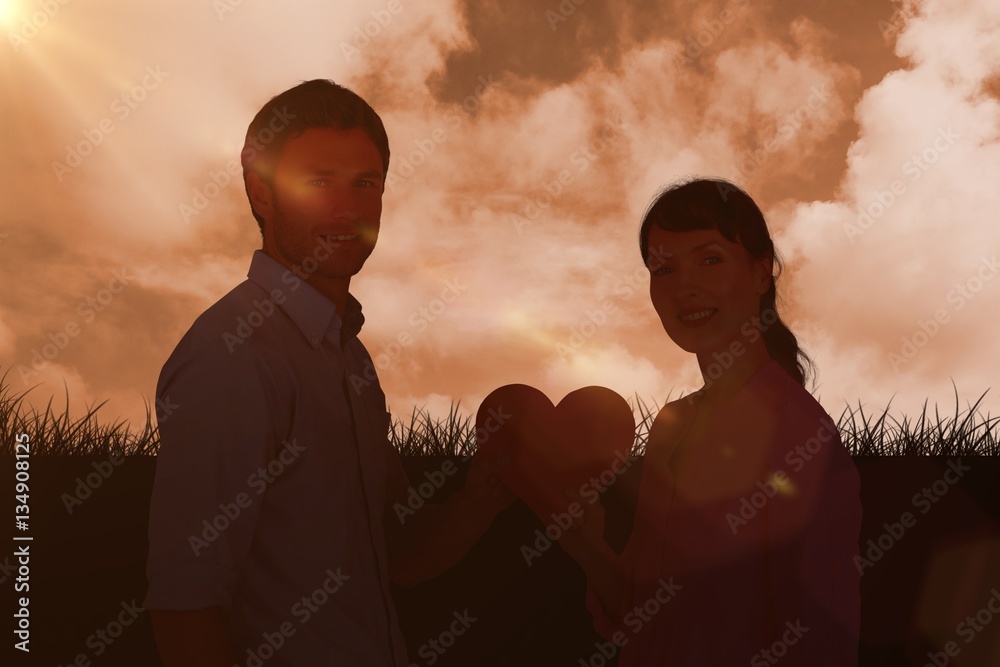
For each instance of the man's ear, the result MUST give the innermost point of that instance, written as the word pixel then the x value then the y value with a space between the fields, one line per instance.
pixel 261 196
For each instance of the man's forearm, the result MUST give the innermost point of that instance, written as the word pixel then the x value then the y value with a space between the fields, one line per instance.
pixel 193 638
pixel 435 538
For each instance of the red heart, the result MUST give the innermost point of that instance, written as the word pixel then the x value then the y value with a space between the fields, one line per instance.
pixel 588 436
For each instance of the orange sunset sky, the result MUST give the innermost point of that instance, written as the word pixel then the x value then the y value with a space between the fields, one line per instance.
pixel 527 138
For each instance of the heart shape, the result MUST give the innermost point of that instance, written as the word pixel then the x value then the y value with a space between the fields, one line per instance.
pixel 582 443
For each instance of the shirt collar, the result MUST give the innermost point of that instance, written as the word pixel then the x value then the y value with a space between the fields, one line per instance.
pixel 312 312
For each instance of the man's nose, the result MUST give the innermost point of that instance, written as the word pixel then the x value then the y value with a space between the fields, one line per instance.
pixel 343 204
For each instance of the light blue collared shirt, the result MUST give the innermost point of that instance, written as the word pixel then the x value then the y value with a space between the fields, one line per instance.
pixel 274 475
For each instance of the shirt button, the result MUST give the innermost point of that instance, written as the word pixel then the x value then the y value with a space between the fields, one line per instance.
pixel 315 340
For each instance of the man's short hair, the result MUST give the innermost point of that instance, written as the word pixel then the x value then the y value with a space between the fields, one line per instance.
pixel 316 103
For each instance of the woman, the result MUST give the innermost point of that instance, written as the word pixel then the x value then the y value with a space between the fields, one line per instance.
pixel 749 509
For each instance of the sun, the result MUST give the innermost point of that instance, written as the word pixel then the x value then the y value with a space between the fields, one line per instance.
pixel 9 13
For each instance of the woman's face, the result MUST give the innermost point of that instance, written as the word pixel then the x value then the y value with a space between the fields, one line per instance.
pixel 705 288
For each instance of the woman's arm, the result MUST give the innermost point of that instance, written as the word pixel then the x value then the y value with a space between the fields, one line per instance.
pixel 811 541
pixel 608 573
pixel 586 545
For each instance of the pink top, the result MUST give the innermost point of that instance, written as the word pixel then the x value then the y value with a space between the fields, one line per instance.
pixel 745 554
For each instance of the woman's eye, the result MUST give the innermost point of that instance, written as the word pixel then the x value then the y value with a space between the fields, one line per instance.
pixel 318 182
pixel 660 270
pixel 713 259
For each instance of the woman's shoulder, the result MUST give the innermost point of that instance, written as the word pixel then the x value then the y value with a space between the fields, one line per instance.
pixel 670 422
pixel 781 395
pixel 804 432
pixel 674 414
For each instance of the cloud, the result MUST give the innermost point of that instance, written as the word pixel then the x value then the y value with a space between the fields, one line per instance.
pixel 520 169
pixel 631 376
pixel 900 269
pixel 533 200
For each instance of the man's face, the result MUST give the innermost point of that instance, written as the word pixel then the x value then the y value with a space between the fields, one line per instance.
pixel 325 203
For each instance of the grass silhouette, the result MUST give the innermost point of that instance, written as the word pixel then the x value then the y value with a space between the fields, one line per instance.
pixel 966 433
pixel 54 432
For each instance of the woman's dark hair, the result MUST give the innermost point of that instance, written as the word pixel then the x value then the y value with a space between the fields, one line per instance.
pixel 706 203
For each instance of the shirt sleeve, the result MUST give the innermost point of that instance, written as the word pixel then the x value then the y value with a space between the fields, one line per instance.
pixel 397 483
pixel 204 505
pixel 812 529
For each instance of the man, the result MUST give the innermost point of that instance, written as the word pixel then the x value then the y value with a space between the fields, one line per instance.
pixel 272 536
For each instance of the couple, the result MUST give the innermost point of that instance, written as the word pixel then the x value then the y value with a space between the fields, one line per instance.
pixel 272 538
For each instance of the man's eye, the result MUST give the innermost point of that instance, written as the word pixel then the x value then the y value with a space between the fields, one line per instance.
pixel 320 182
pixel 713 259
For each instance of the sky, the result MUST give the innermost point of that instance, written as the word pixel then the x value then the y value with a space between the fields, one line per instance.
pixel 527 139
